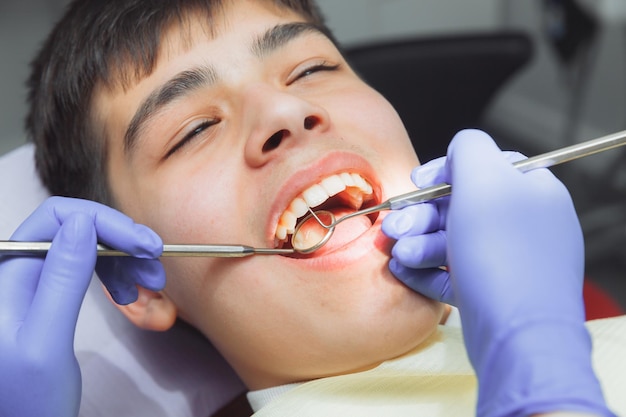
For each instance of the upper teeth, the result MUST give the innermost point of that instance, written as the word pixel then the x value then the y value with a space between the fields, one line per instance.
pixel 356 190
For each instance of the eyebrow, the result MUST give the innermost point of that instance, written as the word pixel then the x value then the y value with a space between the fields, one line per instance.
pixel 278 36
pixel 191 80
pixel 181 85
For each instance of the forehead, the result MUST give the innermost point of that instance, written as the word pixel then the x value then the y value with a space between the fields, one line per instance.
pixel 241 24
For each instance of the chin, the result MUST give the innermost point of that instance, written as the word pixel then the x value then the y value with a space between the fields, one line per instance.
pixel 375 343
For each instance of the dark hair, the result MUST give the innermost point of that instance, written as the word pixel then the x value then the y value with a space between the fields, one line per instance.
pixel 114 43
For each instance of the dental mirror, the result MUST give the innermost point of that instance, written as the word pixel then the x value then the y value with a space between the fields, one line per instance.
pixel 311 233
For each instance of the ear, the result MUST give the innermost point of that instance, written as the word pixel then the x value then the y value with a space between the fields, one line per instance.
pixel 152 310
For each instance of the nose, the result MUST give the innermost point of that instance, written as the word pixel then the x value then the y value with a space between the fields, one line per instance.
pixel 279 120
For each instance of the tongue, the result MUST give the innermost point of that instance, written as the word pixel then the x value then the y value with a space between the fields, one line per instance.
pixel 311 232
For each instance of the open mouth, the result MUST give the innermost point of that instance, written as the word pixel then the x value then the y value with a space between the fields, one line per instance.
pixel 340 194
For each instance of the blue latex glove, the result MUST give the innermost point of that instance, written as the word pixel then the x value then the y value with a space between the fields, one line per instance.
pixel 514 249
pixel 40 299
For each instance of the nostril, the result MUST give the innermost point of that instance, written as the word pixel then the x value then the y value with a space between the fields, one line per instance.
pixel 310 122
pixel 274 141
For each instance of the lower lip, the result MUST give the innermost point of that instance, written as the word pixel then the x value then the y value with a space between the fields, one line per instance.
pixel 364 245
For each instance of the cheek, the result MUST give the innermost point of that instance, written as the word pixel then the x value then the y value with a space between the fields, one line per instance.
pixel 224 298
pixel 182 281
pixel 370 112
pixel 380 133
pixel 193 210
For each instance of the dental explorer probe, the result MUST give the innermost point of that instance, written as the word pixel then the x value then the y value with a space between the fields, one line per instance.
pixel 545 160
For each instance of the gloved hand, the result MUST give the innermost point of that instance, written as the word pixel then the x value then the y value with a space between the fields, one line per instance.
pixel 514 249
pixel 40 299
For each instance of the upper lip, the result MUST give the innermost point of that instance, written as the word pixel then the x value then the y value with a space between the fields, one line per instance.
pixel 332 163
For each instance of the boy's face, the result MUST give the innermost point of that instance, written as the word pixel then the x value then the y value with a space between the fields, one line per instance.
pixel 237 125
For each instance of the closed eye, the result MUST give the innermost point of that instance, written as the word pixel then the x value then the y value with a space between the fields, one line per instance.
pixel 308 71
pixel 189 137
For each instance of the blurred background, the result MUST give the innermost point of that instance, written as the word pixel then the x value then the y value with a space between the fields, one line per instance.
pixel 573 88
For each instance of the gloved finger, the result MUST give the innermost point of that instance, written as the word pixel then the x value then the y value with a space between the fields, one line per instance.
pixel 433 283
pixel 412 220
pixel 481 157
pixel 113 228
pixel 121 275
pixel 421 251
pixel 64 280
pixel 19 277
